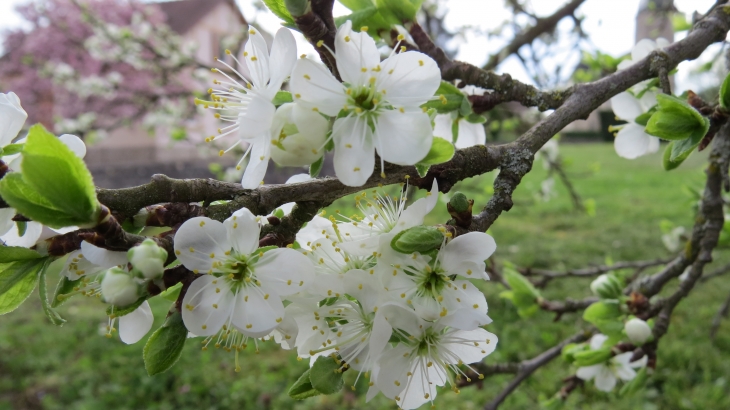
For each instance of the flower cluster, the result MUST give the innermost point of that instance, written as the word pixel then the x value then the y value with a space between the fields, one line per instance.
pixel 405 320
pixel 376 108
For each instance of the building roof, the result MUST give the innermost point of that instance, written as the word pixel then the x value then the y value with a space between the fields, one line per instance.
pixel 183 14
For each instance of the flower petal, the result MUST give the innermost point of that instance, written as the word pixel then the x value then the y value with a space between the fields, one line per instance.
pixel 626 107
pixel 243 231
pixel 356 54
pixel 589 372
pixel 313 85
pixel 13 117
pixel 403 138
pixel 463 252
pixel 409 79
pixel 75 143
pixel 470 135
pixel 632 142
pixel 257 58
pixel 200 242
pixel 469 346
pixel 133 326
pixel 103 257
pixel 207 305
pixel 284 271
pixel 642 49
pixel 32 233
pixel 283 58
pixel 6 220
pixel 255 315
pixel 605 380
pixel 256 119
pixel 258 163
pixel 354 158
pixel 597 341
pixel 417 211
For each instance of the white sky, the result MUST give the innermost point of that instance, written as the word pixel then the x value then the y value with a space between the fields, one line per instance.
pixel 609 23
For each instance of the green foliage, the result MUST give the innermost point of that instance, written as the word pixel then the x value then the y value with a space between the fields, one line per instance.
pixel 450 98
pixel 17 281
pixel 316 167
pixel 680 23
pixel 51 314
pixel 11 149
pixel 64 287
pixel 302 388
pixel 459 202
pixel 326 376
pixel 282 97
pixel 403 10
pixel 591 357
pixel 417 239
pixel 17 253
pixel 676 120
pixel 667 161
pixel 636 384
pixel 595 66
pixel 725 93
pixel 172 293
pixel 522 294
pixel 164 347
pixel 279 8
pixel 116 311
pixel 55 187
pixel 359 18
pixel 605 315
pixel 441 151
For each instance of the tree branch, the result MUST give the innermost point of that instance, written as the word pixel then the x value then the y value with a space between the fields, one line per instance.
pixel 542 25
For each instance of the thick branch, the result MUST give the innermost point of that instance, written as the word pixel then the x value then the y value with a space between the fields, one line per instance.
pixel 542 25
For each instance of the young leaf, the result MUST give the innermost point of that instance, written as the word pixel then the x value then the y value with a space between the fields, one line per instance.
pixel 359 18
pixel 17 253
pixel 172 293
pixel 64 287
pixel 164 347
pixel 21 196
pixel 448 98
pixel 302 388
pixel 669 163
pixel 56 173
pixel 316 167
pixel 602 310
pixel 325 375
pixel 454 131
pixel 676 120
pixel 422 169
pixel 282 97
pixel 52 315
pixel 725 93
pixel 403 10
pixel 116 311
pixel 17 281
pixel 280 10
pixel 441 151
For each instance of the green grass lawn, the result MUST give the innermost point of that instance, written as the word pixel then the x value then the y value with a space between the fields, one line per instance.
pixel 75 367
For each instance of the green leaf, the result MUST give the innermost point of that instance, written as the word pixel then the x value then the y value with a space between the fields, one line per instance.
pixel 441 151
pixel 680 23
pixel 725 93
pixel 282 97
pixel 676 120
pixel 302 388
pixel 52 315
pixel 296 8
pixel 164 347
pixel 422 169
pixel 403 10
pixel 448 98
pixel 172 293
pixel 17 253
pixel 417 239
pixel 279 8
pixel 12 149
pixel 64 287
pixel 454 131
pixel 116 311
pixel 56 173
pixel 668 162
pixel 325 375
pixel 519 283
pixel 475 118
pixel 359 18
pixel 643 119
pixel 635 384
pixel 355 5
pixel 316 167
pixel 602 310
pixel 17 281
pixel 21 196
pixel 591 357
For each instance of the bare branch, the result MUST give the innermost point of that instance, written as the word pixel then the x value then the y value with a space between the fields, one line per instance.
pixel 595 270
pixel 721 313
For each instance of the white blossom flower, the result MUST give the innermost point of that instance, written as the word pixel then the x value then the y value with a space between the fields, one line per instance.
pixel 605 375
pixel 673 240
pixel 549 153
pixel 252 101
pixel 383 217
pixel 287 207
pixel 425 284
pixel 632 141
pixel 244 286
pixel 12 117
pixel 429 357
pixel 380 101
pixel 298 136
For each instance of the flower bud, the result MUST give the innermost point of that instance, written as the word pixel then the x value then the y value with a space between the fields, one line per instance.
pixel 591 357
pixel 638 331
pixel 12 117
pixel 417 239
pixel 148 258
pixel 119 288
pixel 459 202
pixel 298 136
pixel 607 286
